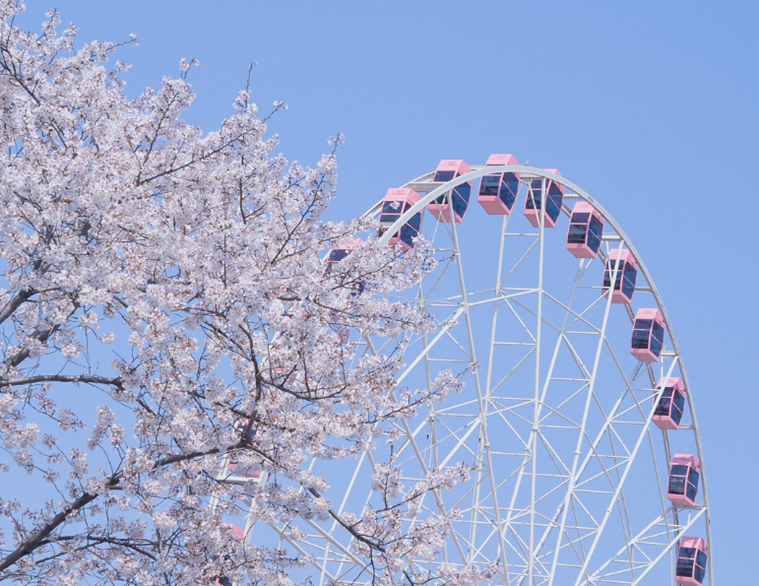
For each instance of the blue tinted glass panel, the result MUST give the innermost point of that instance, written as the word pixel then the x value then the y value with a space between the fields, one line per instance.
pixel 699 574
pixel 693 476
pixel 489 184
pixel 534 195
pixel 416 221
pixel 594 242
pixel 701 558
pixel 464 190
pixel 392 207
pixel 676 415
pixel 643 324
pixel 391 211
pixel 507 197
pixel 678 469
pixel 687 553
pixel 640 339
pixel 655 346
pixel 628 287
pixel 553 207
pixel 508 194
pixel 610 265
pixel 676 485
pixel 692 491
pixel 444 175
pixel 663 407
pixel 631 273
pixel 576 234
pixel 679 401
pixel 595 234
pixel 684 567
pixel 596 227
pixel 579 218
pixel 338 254
pixel 459 205
pixel 511 182
pixel 607 279
pixel 658 331
pixel 408 233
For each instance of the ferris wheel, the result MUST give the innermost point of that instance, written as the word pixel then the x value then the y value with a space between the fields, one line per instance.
pixel 576 418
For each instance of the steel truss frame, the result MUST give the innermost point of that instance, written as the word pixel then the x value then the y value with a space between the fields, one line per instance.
pixel 557 425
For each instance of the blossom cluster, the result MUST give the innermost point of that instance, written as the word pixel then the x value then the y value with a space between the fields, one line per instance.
pixel 164 311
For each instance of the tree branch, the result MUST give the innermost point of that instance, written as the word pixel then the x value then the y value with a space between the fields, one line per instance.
pixel 61 378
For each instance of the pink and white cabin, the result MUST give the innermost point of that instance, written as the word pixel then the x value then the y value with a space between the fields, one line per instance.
pixel 223 580
pixel 447 170
pixel 498 192
pixel 648 335
pixel 338 254
pixel 669 410
pixel 691 561
pixel 684 474
pixel 586 228
pixel 627 275
pixel 553 196
pixel 397 202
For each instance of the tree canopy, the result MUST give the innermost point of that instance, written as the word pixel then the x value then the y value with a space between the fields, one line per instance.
pixel 166 315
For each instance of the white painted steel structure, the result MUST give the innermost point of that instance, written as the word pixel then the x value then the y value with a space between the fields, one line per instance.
pixel 568 483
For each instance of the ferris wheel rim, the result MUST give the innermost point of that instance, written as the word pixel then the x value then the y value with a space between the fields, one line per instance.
pixel 530 172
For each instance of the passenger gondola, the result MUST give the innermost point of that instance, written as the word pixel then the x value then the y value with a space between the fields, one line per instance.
pixel 498 192
pixel 534 202
pixel 684 474
pixel 691 561
pixel 627 274
pixel 648 335
pixel 397 202
pixel 669 410
pixel 447 170
pixel 586 227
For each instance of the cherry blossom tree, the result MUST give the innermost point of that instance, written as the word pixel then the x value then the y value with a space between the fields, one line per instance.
pixel 165 308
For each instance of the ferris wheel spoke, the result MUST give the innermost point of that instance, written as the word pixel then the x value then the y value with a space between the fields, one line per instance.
pixel 553 445
pixel 651 543
pixel 410 440
pixel 424 298
pixel 614 498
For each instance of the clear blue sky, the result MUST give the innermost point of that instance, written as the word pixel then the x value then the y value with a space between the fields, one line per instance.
pixel 650 106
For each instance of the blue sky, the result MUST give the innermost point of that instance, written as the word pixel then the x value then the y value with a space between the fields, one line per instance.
pixel 649 106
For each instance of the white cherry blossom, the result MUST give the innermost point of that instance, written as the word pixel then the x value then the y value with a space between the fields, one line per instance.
pixel 164 305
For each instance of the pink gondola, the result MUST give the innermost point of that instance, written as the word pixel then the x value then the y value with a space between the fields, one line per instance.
pixel 684 474
pixel 648 335
pixel 447 170
pixel 239 533
pixel 553 196
pixel 397 202
pixel 669 410
pixel 691 561
pixel 586 227
pixel 627 275
pixel 498 192
pixel 338 254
